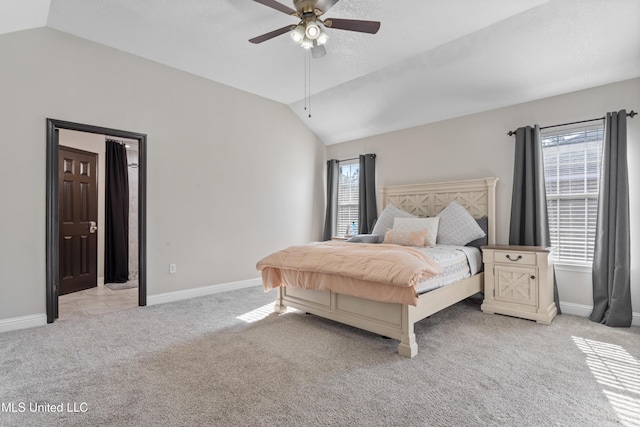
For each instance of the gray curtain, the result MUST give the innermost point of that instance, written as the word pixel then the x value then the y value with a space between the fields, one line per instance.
pixel 529 218
pixel 367 208
pixel 611 260
pixel 333 169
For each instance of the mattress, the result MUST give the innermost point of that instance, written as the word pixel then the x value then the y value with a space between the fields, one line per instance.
pixel 302 267
pixel 458 262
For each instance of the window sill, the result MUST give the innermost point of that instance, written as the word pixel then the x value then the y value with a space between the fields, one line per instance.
pixel 577 268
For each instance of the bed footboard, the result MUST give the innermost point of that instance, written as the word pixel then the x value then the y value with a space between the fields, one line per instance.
pixel 391 320
pixel 386 319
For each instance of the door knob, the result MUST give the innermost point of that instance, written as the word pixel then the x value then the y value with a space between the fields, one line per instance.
pixel 92 227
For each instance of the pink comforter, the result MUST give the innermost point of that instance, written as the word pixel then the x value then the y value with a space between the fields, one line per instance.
pixel 382 272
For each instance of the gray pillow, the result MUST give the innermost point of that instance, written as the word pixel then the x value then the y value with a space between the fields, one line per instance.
pixel 457 226
pixel 366 238
pixel 484 224
pixel 385 220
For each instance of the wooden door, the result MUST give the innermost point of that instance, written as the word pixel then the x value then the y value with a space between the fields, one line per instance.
pixel 78 216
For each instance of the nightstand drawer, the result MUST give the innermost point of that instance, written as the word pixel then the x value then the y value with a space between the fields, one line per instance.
pixel 514 257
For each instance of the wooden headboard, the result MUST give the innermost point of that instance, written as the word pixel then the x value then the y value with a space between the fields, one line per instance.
pixel 478 196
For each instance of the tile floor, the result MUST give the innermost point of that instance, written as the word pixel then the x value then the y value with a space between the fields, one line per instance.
pixel 94 301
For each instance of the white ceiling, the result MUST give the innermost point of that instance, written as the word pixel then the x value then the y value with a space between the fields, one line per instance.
pixel 431 60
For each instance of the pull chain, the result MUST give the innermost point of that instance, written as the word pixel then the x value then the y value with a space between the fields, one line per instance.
pixel 309 58
pixel 307 81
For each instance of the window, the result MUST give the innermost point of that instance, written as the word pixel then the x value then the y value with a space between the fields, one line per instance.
pixel 572 164
pixel 348 193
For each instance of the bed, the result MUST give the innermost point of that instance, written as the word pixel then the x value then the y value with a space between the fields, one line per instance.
pixel 394 319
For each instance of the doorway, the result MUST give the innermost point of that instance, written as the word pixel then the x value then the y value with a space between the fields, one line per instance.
pixel 53 289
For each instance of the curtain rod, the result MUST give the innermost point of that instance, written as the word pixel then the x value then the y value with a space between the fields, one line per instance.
pixel 629 114
pixel 355 158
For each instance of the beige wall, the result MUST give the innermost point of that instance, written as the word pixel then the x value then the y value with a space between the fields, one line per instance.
pixel 478 146
pixel 231 176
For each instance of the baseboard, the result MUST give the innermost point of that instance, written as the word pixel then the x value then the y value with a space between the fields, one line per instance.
pixel 200 292
pixel 585 311
pixel 23 322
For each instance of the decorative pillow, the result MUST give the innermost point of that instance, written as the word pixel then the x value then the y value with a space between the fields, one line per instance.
pixel 406 238
pixel 415 224
pixel 484 224
pixel 366 238
pixel 457 226
pixel 385 220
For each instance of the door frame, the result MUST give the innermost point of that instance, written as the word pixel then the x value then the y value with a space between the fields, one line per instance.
pixel 52 212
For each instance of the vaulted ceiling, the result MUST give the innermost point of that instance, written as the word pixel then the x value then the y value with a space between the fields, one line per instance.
pixel 431 60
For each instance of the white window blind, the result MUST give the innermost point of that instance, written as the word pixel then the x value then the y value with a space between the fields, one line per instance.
pixel 348 193
pixel 572 164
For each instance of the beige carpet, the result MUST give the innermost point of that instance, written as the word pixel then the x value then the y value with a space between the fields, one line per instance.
pixel 200 362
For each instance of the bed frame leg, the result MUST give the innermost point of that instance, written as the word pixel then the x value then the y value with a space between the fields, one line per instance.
pixel 408 346
pixel 279 306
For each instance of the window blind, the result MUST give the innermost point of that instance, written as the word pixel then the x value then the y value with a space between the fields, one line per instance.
pixel 572 163
pixel 348 193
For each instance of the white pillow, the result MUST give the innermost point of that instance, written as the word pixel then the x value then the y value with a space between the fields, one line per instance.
pixel 415 224
pixel 385 220
pixel 457 226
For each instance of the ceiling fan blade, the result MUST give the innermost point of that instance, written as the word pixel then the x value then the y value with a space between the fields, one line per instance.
pixel 318 50
pixel 370 27
pixel 270 35
pixel 277 6
pixel 325 5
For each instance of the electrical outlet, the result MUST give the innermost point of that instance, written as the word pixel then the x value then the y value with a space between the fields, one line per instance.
pixel 172 268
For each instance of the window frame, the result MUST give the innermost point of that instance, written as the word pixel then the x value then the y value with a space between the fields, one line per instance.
pixel 588 243
pixel 341 229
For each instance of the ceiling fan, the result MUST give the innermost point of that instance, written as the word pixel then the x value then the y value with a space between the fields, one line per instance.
pixel 309 32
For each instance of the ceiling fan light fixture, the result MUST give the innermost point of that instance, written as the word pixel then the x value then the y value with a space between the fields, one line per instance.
pixel 307 43
pixel 298 34
pixel 322 38
pixel 312 31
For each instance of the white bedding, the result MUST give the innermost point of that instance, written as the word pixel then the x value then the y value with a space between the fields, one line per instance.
pixel 459 262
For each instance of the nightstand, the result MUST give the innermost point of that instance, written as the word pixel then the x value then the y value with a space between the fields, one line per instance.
pixel 518 281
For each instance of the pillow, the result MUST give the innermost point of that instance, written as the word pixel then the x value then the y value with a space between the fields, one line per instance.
pixel 385 221
pixel 366 238
pixel 415 224
pixel 484 224
pixel 406 238
pixel 457 226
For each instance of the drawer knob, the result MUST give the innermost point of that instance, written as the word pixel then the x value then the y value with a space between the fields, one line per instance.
pixel 533 277
pixel 518 258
